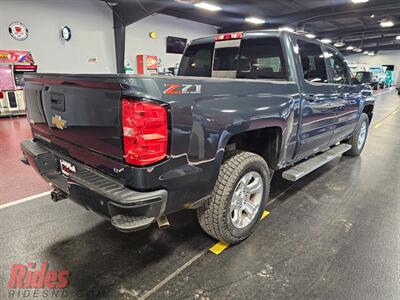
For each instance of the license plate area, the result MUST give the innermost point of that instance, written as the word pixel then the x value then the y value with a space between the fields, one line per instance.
pixel 67 168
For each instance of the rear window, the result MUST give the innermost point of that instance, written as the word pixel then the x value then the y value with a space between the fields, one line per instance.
pixel 262 59
pixel 225 59
pixel 197 60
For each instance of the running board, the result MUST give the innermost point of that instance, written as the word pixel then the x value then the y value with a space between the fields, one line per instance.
pixel 304 168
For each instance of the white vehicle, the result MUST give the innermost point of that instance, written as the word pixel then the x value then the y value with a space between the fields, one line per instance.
pixel 378 75
pixel 354 68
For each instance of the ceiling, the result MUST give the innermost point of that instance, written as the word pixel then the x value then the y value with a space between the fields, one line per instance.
pixel 333 19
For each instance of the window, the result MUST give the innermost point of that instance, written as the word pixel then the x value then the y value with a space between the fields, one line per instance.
pixel 262 58
pixel 197 60
pixel 313 62
pixel 340 73
pixel 226 59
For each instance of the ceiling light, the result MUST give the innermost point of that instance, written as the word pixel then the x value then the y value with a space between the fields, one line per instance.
pixel 289 29
pixel 350 48
pixel 366 52
pixel 254 20
pixel 359 50
pixel 208 6
pixel 310 35
pixel 372 16
pixel 326 41
pixel 339 44
pixel 359 1
pixel 371 53
pixel 387 23
pixel 398 37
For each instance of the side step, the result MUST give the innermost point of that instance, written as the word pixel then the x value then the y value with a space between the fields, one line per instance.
pixel 304 168
pixel 126 223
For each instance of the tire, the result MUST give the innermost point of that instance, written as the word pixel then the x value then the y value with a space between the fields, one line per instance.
pixel 216 216
pixel 398 92
pixel 357 148
pixel 375 87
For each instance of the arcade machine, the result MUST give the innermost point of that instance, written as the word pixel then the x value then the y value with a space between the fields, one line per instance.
pixel 13 65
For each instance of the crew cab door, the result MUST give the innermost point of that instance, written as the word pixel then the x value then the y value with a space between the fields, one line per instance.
pixel 318 104
pixel 348 96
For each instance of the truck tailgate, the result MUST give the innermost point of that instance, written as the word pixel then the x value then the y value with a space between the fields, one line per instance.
pixel 82 110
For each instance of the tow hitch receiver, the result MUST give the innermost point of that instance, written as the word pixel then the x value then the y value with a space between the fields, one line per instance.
pixel 58 195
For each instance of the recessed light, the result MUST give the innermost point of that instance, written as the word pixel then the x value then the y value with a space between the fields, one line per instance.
pixel 366 52
pixel 289 29
pixel 371 53
pixel 350 48
pixel 359 1
pixel 372 16
pixel 339 44
pixel 254 20
pixel 326 41
pixel 398 37
pixel 310 35
pixel 207 6
pixel 387 23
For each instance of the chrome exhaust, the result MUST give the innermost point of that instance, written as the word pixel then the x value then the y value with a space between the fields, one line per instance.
pixel 163 222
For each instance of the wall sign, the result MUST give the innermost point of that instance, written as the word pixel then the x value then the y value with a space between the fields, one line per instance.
pixel 66 33
pixel 18 31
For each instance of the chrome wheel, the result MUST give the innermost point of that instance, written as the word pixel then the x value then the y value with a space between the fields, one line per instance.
pixel 246 199
pixel 362 136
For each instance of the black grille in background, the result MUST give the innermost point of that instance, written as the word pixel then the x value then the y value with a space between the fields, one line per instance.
pixel 12 99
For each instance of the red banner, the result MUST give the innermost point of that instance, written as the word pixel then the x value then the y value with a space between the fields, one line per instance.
pixel 16 57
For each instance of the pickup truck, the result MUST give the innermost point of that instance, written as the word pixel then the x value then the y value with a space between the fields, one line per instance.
pixel 135 149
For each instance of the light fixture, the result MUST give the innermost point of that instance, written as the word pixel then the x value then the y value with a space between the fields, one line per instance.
pixel 371 53
pixel 254 20
pixel 339 44
pixel 310 35
pixel 359 1
pixel 350 48
pixel 359 50
pixel 285 28
pixel 366 52
pixel 326 41
pixel 387 23
pixel 372 16
pixel 398 37
pixel 207 6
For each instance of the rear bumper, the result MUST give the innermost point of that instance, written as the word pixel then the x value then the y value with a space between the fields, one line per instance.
pixel 127 209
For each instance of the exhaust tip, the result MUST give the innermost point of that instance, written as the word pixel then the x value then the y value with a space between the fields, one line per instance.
pixel 163 222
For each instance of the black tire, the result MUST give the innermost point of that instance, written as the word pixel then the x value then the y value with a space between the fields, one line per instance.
pixel 355 149
pixel 398 92
pixel 214 216
pixel 375 87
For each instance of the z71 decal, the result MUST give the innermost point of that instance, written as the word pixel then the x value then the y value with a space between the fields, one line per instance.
pixel 177 89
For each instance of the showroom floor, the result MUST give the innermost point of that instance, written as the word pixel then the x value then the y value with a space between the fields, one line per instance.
pixel 333 234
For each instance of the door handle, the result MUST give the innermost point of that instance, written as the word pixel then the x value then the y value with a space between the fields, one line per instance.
pixel 310 98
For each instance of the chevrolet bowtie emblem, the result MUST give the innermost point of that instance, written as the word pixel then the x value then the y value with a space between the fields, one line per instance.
pixel 59 122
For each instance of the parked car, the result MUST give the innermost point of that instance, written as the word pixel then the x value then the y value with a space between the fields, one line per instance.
pixel 398 84
pixel 378 76
pixel 138 148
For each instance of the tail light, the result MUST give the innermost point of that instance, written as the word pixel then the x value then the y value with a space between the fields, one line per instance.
pixel 1 95
pixel 145 132
pixel 229 36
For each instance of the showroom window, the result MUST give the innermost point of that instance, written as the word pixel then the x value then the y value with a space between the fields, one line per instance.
pixel 313 62
pixel 197 60
pixel 340 73
pixel 262 59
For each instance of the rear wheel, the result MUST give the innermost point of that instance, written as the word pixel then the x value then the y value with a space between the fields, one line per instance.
pixel 238 199
pixel 357 141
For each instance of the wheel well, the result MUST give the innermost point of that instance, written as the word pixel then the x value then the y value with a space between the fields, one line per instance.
pixel 265 142
pixel 368 109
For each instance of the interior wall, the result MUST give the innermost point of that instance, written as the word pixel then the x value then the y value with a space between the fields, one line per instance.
pixel 387 57
pixel 91 49
pixel 139 42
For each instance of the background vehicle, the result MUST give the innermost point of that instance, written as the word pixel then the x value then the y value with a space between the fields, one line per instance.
pixel 378 76
pixel 137 148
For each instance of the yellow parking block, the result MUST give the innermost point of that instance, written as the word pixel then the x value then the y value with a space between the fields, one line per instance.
pixel 221 246
pixel 378 125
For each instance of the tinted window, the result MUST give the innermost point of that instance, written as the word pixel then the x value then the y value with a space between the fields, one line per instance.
pixel 225 59
pixel 197 60
pixel 262 58
pixel 313 62
pixel 340 73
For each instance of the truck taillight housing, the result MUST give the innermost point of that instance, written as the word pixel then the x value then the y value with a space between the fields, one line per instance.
pixel 144 131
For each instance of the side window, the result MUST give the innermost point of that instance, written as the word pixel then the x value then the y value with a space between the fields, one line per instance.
pixel 262 58
pixel 197 60
pixel 340 73
pixel 313 62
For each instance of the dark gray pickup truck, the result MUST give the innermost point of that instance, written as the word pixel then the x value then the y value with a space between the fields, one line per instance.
pixel 137 148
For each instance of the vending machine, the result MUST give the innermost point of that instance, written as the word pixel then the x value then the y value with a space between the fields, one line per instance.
pixel 13 65
pixel 147 64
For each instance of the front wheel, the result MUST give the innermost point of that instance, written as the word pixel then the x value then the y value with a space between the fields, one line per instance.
pixel 357 141
pixel 238 199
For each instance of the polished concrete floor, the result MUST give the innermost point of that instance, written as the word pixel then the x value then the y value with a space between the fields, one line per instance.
pixel 332 235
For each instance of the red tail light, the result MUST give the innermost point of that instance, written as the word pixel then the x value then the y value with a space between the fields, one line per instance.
pixel 1 95
pixel 229 36
pixel 145 132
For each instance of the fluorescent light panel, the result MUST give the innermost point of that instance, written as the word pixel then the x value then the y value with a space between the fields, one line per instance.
pixel 359 1
pixel 387 23
pixel 326 41
pixel 310 35
pixel 207 6
pixel 254 20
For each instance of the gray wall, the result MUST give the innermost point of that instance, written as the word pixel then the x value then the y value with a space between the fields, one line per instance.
pixel 92 34
pixel 139 42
